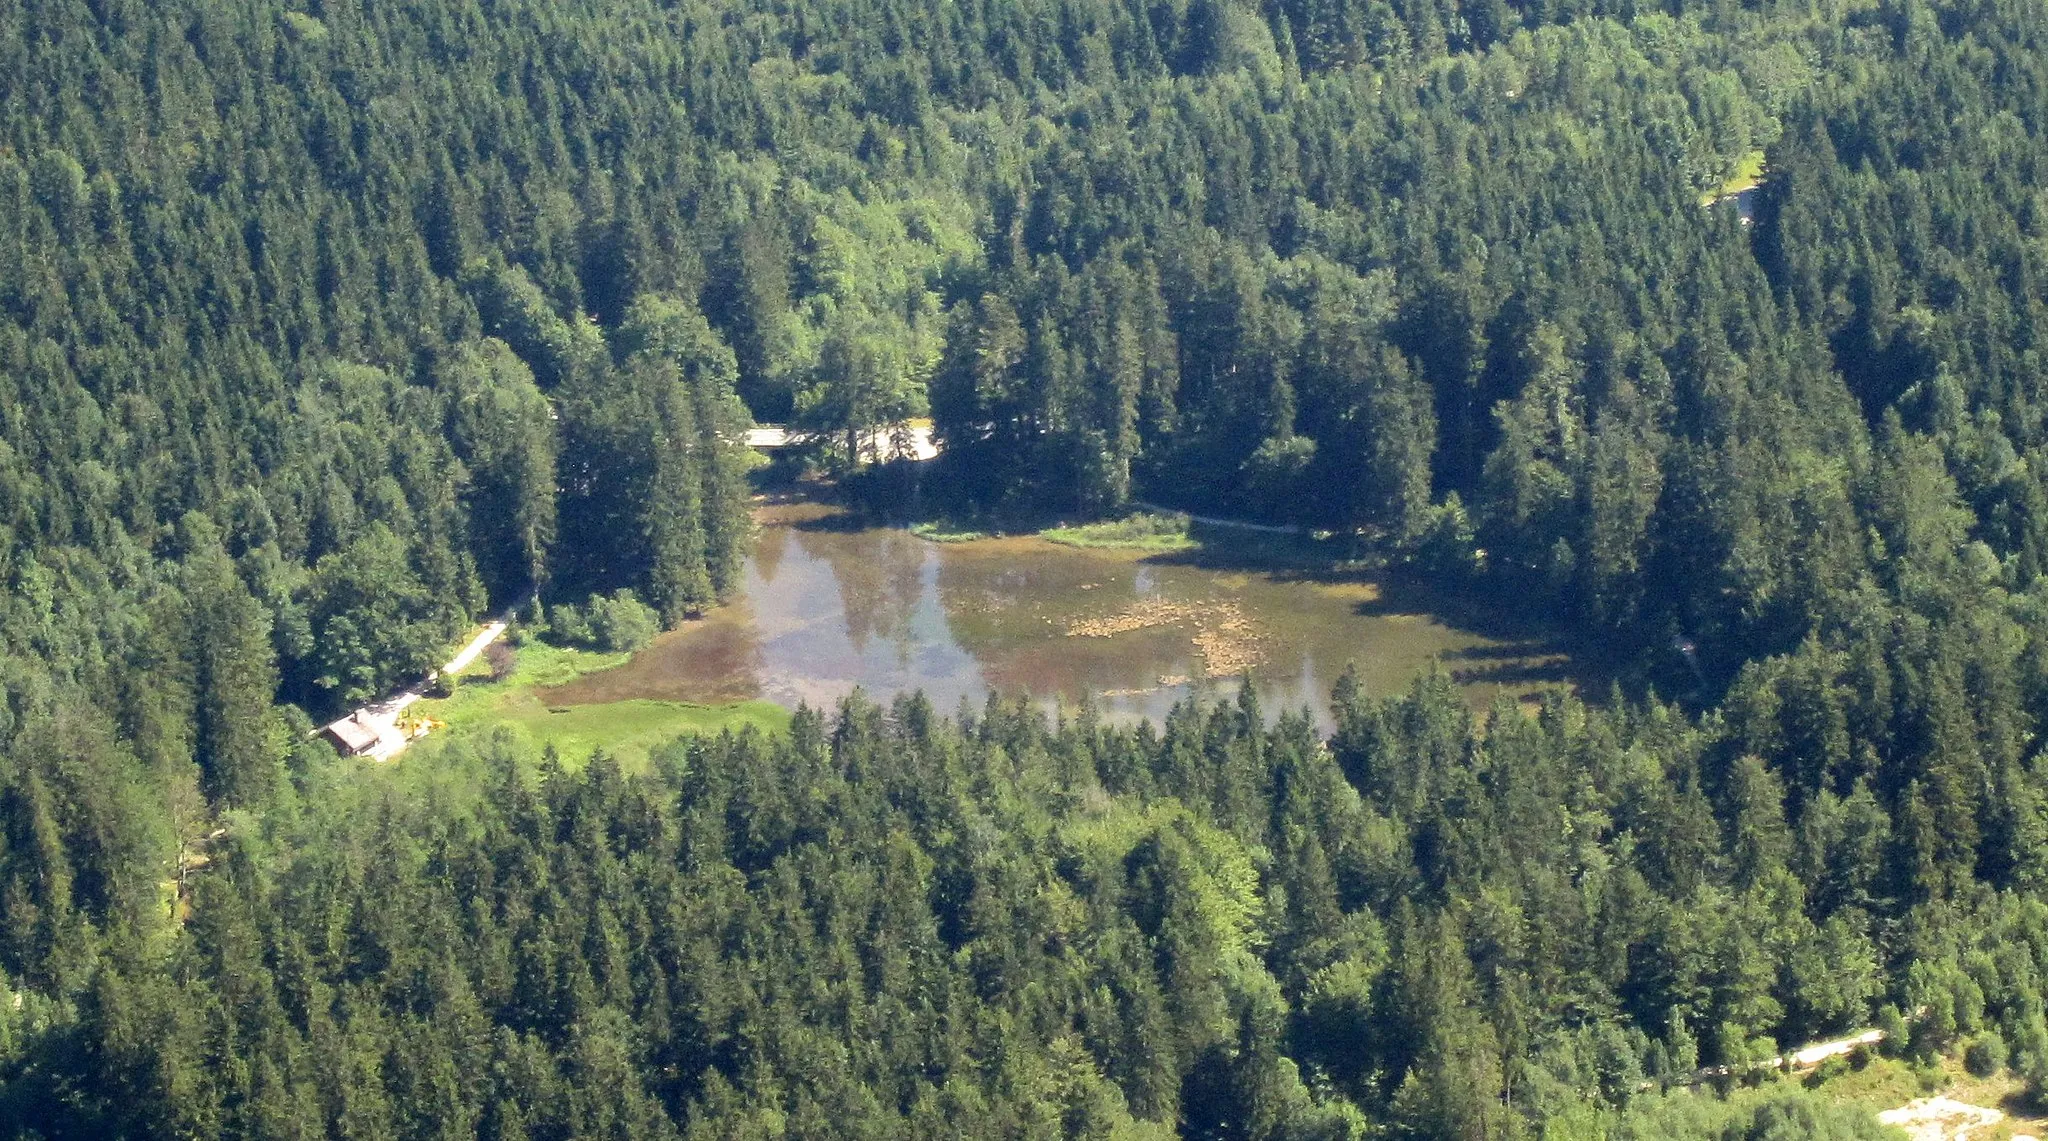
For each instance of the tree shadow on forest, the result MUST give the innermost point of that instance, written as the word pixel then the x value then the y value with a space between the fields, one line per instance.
pixel 832 522
pixel 1525 647
pixel 1398 591
pixel 1407 593
pixel 1518 665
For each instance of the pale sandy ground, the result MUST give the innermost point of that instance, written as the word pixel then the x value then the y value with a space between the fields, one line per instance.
pixel 1943 1119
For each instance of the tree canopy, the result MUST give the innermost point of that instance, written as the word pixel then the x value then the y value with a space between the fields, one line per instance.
pixel 329 330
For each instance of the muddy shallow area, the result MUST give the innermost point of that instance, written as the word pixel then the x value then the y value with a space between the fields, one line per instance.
pixel 829 605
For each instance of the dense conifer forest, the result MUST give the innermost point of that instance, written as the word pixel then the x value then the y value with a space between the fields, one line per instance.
pixel 328 331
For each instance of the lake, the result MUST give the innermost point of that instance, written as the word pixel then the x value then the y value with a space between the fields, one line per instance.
pixel 829 605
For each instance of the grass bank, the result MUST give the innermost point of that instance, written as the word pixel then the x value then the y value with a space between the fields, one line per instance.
pixel 1151 532
pixel 625 729
pixel 935 531
pixel 1175 535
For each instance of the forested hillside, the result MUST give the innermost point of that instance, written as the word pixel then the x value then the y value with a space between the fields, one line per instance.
pixel 325 331
pixel 892 926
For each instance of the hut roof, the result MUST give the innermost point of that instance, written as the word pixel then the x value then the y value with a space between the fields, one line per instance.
pixel 352 735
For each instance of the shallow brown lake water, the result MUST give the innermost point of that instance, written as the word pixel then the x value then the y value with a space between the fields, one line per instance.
pixel 828 606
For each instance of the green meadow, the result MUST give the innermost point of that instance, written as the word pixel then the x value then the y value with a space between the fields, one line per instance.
pixel 625 729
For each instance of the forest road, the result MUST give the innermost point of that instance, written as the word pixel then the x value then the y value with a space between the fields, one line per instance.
pixel 382 717
pixel 490 633
pixel 1804 1058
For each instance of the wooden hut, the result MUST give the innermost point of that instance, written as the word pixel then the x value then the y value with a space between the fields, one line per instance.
pixel 350 736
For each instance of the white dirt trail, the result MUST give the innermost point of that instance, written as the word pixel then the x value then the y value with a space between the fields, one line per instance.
pixel 1940 1119
pixel 382 717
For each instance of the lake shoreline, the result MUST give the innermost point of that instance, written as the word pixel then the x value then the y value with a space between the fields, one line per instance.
pixel 833 600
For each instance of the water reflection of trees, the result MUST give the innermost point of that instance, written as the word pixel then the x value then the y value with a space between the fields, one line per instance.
pixel 1000 611
pixel 1012 612
pixel 880 575
pixel 769 543
pixel 986 603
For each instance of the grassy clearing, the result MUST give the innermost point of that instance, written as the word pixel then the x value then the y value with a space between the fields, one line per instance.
pixel 1879 1084
pixel 1749 172
pixel 1887 1083
pixel 539 664
pixel 1152 533
pixel 628 730
pixel 625 729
